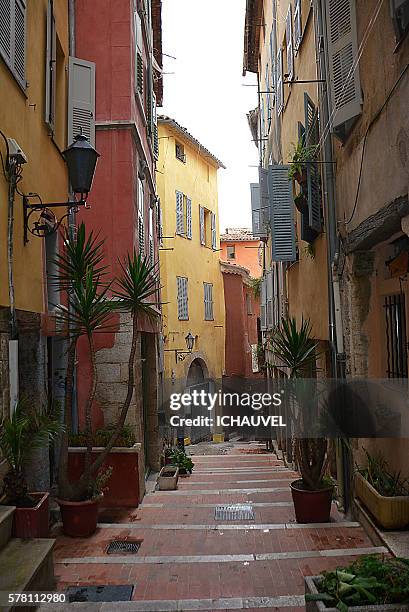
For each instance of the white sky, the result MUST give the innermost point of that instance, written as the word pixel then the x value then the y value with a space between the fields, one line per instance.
pixel 206 95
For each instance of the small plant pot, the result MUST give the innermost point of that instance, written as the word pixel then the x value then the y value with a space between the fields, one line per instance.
pixel 79 519
pixel 311 506
pixel 168 478
pixel 301 203
pixel 301 177
pixel 33 522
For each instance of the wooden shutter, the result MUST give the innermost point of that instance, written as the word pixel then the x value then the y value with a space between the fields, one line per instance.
pixel 279 82
pixel 208 301
pixel 297 25
pixel 155 135
pixel 269 299
pixel 289 41
pixel 256 210
pixel 180 230
pixel 213 230
pixel 50 67
pixel 81 100
pixel 6 10
pixel 159 221
pixel 188 218
pixel 202 225
pixel 141 218
pixel 273 66
pixel 343 53
pixel 268 96
pixel 313 172
pixel 183 310
pixel 282 214
pixel 138 53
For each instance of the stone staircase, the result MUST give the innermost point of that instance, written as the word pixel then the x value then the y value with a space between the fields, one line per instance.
pixel 25 565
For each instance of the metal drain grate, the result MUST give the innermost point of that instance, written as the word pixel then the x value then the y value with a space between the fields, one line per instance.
pixel 234 512
pixel 129 547
pixel 100 593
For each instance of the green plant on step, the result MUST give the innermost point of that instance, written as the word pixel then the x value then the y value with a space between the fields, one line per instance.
pixel 301 155
pixel 368 581
pixel 179 459
pixel 29 428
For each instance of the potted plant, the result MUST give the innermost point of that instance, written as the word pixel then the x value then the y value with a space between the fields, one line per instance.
pixel 301 156
pixel 369 584
pixel 168 478
pixel 26 430
pixel 178 458
pixel 312 493
pixel 301 202
pixel 383 492
pixel 90 303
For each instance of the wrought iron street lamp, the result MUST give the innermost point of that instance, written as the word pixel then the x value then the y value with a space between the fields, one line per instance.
pixel 81 159
pixel 181 355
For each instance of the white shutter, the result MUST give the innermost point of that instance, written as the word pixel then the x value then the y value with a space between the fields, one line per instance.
pixel 50 67
pixel 180 230
pixel 213 228
pixel 202 225
pixel 141 218
pixel 279 82
pixel 282 214
pixel 188 218
pixel 182 298
pixel 289 40
pixel 343 53
pixel 208 301
pixel 81 100
pixel 297 25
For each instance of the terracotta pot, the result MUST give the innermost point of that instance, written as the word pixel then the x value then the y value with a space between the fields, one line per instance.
pixel 79 519
pixel 33 522
pixel 311 506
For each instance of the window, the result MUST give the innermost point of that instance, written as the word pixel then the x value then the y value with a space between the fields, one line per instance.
pixel 202 225
pixel 249 305
pixel 207 224
pixel 400 17
pixel 159 222
pixel 231 252
pixel 183 310
pixel 395 319
pixel 213 230
pixel 141 218
pixel 139 71
pixel 13 37
pixel 297 25
pixel 208 301
pixel 280 83
pixel 151 242
pixel 183 215
pixel 289 42
pixel 180 152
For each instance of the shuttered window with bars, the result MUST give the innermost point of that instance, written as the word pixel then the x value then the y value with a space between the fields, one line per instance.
pixel 180 224
pixel 289 43
pixel 81 99
pixel 280 83
pixel 297 25
pixel 141 218
pixel 345 83
pixel 13 37
pixel 182 297
pixel 188 218
pixel 208 301
pixel 313 171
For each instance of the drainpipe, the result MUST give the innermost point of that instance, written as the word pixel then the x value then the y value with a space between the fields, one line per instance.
pixel 11 170
pixel 334 300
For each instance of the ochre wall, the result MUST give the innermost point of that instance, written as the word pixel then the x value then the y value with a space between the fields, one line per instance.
pixel 247 255
pixel 22 116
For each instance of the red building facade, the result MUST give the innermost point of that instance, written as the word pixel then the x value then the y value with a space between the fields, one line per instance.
pixel 121 45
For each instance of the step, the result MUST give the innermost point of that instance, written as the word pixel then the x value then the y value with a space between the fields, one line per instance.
pixel 6 524
pixel 27 565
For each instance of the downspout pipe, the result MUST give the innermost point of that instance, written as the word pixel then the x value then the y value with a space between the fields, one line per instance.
pixel 334 301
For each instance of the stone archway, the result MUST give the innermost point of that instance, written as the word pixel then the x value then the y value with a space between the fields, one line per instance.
pixel 195 374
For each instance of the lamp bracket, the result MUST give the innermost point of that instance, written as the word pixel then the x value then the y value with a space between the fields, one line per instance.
pixel 46 223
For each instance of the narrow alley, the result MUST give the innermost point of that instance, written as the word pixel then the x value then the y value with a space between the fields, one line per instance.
pixel 189 560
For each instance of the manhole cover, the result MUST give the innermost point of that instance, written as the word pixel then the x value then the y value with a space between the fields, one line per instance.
pixel 234 512
pixel 100 593
pixel 129 547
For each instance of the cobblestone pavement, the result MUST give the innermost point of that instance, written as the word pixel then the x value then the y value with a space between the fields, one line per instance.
pixel 188 560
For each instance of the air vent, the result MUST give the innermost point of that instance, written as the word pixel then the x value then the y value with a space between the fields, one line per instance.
pixel 123 547
pixel 234 512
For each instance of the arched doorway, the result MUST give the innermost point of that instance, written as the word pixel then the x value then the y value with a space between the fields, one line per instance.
pixel 195 375
pixel 197 381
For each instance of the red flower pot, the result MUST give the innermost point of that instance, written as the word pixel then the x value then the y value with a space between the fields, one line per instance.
pixel 79 519
pixel 311 506
pixel 33 522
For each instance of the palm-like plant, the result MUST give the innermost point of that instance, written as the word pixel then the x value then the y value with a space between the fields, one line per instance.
pixel 296 348
pixel 21 434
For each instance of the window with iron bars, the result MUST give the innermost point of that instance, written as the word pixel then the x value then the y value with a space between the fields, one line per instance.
pixel 396 340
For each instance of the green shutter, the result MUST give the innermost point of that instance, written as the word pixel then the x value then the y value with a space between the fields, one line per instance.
pixel 313 172
pixel 282 214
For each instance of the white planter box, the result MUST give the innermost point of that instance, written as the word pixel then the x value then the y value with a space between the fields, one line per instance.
pixel 168 478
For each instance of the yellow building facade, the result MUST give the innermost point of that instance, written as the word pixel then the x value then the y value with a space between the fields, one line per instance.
pixel 192 283
pixel 34 59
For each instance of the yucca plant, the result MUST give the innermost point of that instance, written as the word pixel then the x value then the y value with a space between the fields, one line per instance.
pixel 90 303
pixel 296 348
pixel 27 430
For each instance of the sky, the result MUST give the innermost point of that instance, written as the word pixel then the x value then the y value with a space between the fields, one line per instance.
pixel 206 94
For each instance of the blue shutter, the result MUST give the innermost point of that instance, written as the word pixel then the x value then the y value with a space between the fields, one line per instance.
pixel 263 305
pixel 214 233
pixel 289 41
pixel 313 172
pixel 259 227
pixel 282 214
pixel 180 230
pixel 188 218
pixel 202 225
pixel 279 82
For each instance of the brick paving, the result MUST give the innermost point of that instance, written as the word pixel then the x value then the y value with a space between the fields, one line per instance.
pixel 188 560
